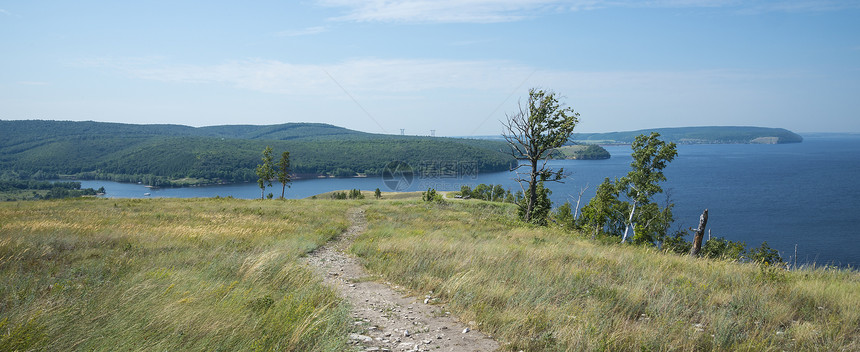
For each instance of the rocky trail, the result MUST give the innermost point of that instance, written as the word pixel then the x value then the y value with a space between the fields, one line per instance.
pixel 388 319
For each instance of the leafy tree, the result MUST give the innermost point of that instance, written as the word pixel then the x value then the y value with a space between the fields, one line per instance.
pixel 498 193
pixel 541 208
pixel 482 191
pixel 465 191
pixel 649 221
pixel 377 193
pixel 604 211
pixel 650 157
pixel 284 172
pixel 532 134
pixel 265 172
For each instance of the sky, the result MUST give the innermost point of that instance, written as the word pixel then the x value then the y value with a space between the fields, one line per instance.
pixel 456 67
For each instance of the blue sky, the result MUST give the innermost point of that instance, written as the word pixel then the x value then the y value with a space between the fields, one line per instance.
pixel 456 67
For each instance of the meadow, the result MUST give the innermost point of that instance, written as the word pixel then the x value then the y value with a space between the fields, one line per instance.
pixel 543 289
pixel 226 274
pixel 167 274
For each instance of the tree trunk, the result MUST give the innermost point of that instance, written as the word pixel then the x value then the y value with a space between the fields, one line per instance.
pixel 576 210
pixel 629 223
pixel 700 233
pixel 532 192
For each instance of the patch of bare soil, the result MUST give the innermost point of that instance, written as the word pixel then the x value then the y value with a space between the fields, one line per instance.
pixel 389 319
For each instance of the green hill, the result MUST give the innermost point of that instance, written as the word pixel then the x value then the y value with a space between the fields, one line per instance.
pixel 177 155
pixel 699 135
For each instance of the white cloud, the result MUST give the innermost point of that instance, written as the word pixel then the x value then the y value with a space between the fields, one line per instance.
pixel 367 76
pixel 492 11
pixel 445 80
pixel 302 32
pixel 33 83
pixel 441 11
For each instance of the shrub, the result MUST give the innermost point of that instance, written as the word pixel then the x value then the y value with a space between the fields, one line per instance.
pixel 720 248
pixel 765 255
pixel 431 196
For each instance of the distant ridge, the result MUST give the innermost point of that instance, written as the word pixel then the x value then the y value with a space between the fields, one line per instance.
pixel 699 135
pixel 689 135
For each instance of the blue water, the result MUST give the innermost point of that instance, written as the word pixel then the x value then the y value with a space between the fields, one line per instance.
pixel 801 194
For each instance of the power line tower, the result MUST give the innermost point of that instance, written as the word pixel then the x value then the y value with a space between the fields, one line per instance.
pixel 402 131
pixel 432 133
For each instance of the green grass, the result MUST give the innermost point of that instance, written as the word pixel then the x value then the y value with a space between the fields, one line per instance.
pixel 541 289
pixel 167 274
pixel 223 274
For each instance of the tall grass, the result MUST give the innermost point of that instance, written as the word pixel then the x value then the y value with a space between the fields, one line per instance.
pixel 167 274
pixel 542 289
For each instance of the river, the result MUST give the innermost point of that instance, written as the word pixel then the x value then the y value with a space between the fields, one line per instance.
pixel 802 195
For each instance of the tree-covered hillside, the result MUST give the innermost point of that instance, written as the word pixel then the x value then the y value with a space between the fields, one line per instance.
pixel 581 152
pixel 174 154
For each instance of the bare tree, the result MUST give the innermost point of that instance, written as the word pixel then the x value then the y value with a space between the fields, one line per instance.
pixel 578 200
pixel 284 172
pixel 700 232
pixel 533 133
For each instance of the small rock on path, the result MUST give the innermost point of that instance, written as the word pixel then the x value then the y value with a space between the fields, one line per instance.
pixel 387 319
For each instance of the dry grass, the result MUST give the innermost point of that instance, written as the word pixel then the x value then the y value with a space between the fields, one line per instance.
pixel 222 274
pixel 540 289
pixel 167 274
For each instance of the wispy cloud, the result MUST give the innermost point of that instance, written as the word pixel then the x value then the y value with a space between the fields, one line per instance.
pixel 440 11
pixel 370 76
pixel 302 32
pixel 4 12
pixel 33 83
pixel 405 77
pixel 492 11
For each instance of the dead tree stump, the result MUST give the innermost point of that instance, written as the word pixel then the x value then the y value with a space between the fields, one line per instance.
pixel 700 232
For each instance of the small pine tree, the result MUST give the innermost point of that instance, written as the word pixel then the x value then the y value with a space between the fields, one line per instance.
pixel 563 216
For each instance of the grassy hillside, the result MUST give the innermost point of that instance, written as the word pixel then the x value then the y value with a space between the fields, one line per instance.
pixel 167 275
pixel 540 289
pixel 176 155
pixel 222 274
pixel 699 135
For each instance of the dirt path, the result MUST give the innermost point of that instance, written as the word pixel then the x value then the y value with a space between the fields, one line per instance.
pixel 390 321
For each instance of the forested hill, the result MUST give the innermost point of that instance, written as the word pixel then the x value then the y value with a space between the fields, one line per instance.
pixel 175 154
pixel 699 135
pixel 51 129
